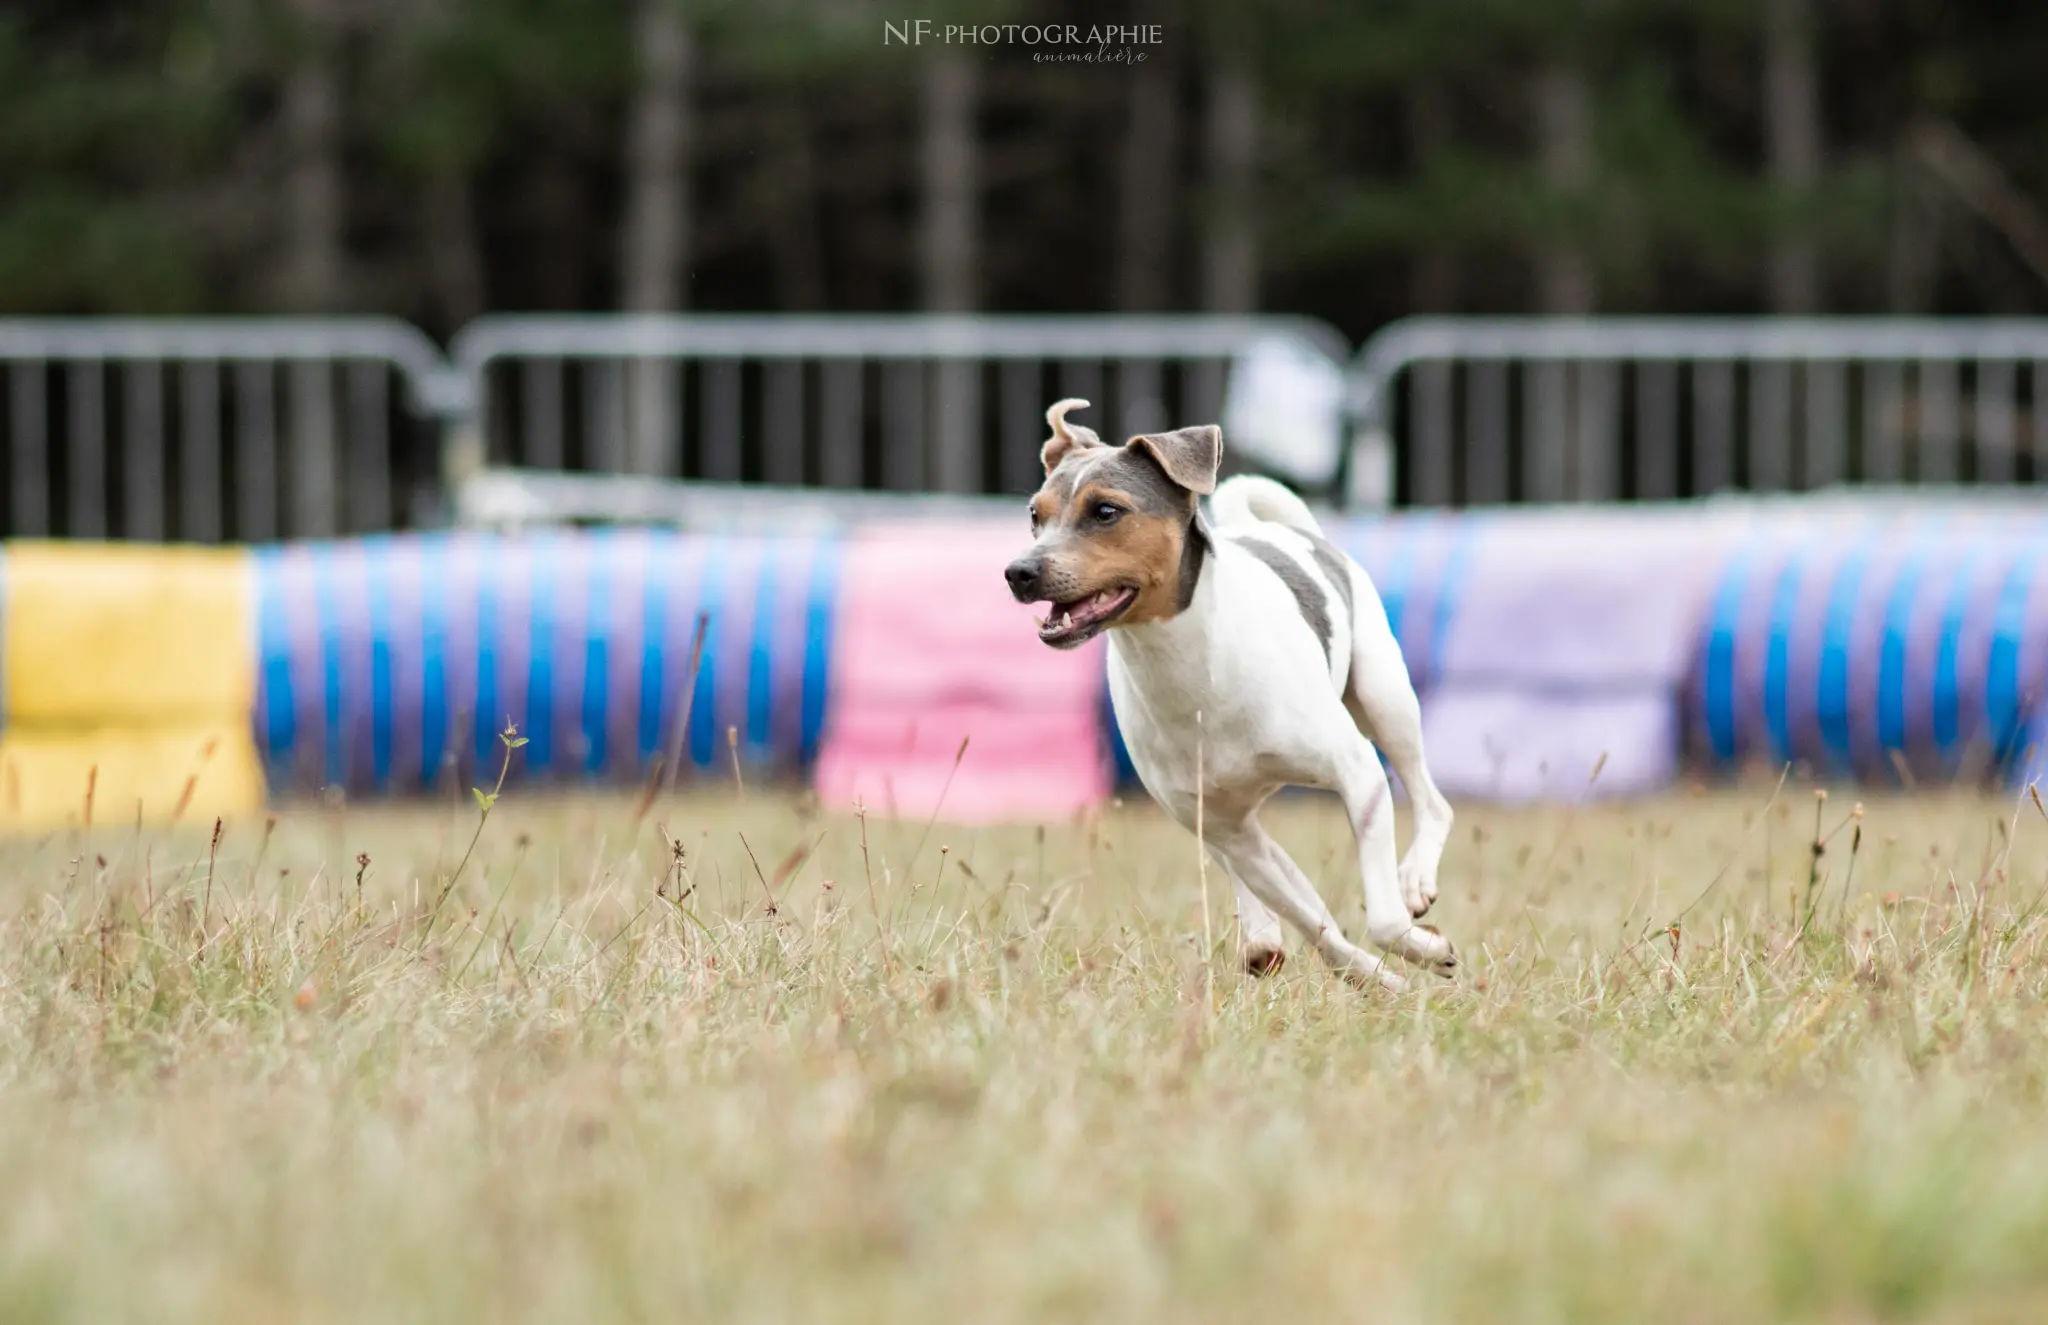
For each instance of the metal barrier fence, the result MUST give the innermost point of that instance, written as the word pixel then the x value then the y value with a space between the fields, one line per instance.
pixel 1530 409
pixel 254 429
pixel 945 403
pixel 212 429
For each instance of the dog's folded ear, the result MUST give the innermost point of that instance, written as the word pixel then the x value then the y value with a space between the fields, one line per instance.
pixel 1188 455
pixel 1065 436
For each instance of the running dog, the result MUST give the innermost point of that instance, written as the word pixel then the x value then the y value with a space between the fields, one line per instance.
pixel 1246 653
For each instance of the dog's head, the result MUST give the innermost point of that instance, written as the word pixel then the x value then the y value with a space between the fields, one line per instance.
pixel 1116 536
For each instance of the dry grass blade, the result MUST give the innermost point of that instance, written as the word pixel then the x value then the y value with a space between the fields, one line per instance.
pixel 679 730
pixel 938 808
pixel 755 862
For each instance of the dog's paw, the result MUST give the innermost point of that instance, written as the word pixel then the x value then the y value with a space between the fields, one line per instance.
pixel 1425 946
pixel 1365 970
pixel 1263 959
pixel 1418 888
pixel 1378 977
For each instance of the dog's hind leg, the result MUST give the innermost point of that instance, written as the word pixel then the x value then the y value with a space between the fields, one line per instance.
pixel 1383 704
pixel 1388 923
pixel 1256 860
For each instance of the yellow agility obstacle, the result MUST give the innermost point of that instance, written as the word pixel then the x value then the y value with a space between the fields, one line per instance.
pixel 129 676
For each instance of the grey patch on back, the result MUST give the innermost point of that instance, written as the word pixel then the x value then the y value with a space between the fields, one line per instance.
pixel 1336 566
pixel 1308 596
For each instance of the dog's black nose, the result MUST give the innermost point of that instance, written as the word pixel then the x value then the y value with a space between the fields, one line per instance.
pixel 1023 577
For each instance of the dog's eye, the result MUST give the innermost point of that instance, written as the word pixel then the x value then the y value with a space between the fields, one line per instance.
pixel 1036 520
pixel 1106 513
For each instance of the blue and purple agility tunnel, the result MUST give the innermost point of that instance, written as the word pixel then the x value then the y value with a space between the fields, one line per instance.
pixel 384 661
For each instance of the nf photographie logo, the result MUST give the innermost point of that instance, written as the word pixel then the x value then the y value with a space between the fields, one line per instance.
pixel 1049 43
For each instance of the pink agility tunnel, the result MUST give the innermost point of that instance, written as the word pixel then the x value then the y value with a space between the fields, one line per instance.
pixel 931 652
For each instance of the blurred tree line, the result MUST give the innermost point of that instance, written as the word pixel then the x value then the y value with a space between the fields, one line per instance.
pixel 1357 161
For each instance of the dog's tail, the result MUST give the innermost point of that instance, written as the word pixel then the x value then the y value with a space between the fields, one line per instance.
pixel 1248 499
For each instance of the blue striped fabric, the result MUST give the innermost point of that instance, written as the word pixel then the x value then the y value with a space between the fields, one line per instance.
pixel 1831 702
pixel 434 715
pixel 326 600
pixel 597 653
pixel 703 737
pixel 539 728
pixel 654 667
pixel 1945 702
pixel 820 595
pixel 761 656
pixel 1920 654
pixel 1718 685
pixel 274 725
pixel 485 708
pixel 2004 699
pixel 378 582
pixel 572 637
pixel 1777 655
pixel 1891 661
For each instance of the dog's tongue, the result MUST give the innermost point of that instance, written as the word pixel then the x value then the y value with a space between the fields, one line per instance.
pixel 1081 613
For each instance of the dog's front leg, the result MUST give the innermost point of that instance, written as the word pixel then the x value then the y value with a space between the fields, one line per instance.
pixel 1256 860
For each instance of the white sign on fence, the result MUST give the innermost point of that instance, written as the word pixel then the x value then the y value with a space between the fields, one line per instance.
pixel 1284 410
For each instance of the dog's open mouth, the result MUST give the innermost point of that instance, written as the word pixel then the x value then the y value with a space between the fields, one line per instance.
pixel 1069 624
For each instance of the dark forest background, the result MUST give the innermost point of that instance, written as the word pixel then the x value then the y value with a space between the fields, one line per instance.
pixel 439 158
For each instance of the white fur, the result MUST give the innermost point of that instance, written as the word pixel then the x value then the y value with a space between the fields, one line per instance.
pixel 1240 686
pixel 1249 499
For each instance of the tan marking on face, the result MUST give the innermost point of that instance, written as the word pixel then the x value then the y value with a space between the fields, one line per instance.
pixel 1141 549
pixel 1144 558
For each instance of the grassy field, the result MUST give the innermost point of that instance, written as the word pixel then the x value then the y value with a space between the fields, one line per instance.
pixel 328 1070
